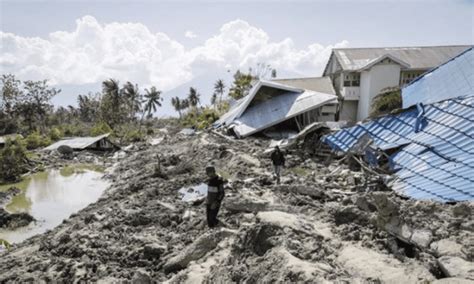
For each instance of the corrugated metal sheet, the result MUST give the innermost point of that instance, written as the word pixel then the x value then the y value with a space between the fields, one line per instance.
pixel 454 78
pixel 242 104
pixel 278 109
pixel 352 59
pixel 248 119
pixel 79 143
pixel 437 162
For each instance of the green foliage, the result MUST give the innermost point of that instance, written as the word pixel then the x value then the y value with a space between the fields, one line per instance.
pixel 241 85
pixel 388 100
pixel 12 160
pixel 73 130
pixel 200 120
pixel 55 134
pixel 36 140
pixel 100 128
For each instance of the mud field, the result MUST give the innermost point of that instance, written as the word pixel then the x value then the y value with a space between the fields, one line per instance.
pixel 324 223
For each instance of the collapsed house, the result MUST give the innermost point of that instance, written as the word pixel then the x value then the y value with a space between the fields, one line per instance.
pixel 98 143
pixel 429 145
pixel 281 107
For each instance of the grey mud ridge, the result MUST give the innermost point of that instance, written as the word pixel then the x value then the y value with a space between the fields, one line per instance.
pixel 323 224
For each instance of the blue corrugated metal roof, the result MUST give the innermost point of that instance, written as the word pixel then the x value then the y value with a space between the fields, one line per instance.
pixel 451 79
pixel 437 162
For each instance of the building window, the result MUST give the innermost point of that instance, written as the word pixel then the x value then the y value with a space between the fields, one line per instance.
pixel 347 83
pixel 352 80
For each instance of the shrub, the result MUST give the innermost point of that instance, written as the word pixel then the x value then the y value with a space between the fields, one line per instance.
pixel 200 120
pixel 388 100
pixel 12 160
pixel 55 134
pixel 100 128
pixel 35 140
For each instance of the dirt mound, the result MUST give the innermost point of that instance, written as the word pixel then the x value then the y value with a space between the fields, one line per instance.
pixel 321 224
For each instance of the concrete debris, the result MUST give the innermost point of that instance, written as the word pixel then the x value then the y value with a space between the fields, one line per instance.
pixel 324 223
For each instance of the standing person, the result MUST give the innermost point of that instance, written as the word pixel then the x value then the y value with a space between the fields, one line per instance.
pixel 215 195
pixel 278 162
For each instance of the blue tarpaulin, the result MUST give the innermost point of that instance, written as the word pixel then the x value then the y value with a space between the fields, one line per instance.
pixel 435 148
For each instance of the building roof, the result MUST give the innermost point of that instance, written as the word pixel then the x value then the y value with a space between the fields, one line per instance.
pixel 77 143
pixel 453 78
pixel 426 57
pixel 248 117
pixel 437 161
pixel 317 84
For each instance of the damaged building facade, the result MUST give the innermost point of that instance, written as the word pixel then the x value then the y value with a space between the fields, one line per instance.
pixel 286 106
pixel 359 74
pixel 429 145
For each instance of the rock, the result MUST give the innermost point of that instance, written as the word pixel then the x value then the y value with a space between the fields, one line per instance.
pixel 461 209
pixel 421 238
pixel 65 151
pixel 14 221
pixel 452 280
pixel 153 251
pixel 446 247
pixel 369 264
pixel 196 250
pixel 364 204
pixel 454 266
pixel 302 189
pixel 245 204
pixel 141 276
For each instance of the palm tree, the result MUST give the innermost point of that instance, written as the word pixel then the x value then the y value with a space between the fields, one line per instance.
pixel 153 100
pixel 219 88
pixel 132 98
pixel 193 97
pixel 214 99
pixel 176 102
pixel 111 102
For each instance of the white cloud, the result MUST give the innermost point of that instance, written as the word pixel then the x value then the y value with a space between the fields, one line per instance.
pixel 130 51
pixel 190 34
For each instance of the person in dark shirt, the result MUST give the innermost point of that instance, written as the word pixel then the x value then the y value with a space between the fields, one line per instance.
pixel 215 195
pixel 278 161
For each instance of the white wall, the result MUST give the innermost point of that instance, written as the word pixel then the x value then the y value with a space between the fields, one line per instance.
pixel 378 77
pixel 349 111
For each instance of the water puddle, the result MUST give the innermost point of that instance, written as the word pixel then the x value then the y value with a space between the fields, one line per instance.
pixel 52 196
pixel 193 193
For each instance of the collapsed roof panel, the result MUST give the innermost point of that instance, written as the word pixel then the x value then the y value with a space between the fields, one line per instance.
pixel 436 159
pixel 278 109
pixel 79 143
pixel 454 78
pixel 269 103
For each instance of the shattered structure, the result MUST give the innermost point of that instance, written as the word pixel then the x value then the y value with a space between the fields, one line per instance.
pixel 270 104
pixel 429 146
pixel 98 143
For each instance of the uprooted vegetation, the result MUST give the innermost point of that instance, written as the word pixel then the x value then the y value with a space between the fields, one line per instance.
pixel 325 222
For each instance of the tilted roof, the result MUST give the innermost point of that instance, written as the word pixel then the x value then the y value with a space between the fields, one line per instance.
pixel 317 84
pixel 453 78
pixel 78 143
pixel 247 117
pixel 426 57
pixel 435 162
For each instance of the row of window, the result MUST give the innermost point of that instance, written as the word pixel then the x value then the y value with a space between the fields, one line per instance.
pixel 352 80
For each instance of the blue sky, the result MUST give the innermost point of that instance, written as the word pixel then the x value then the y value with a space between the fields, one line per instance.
pixel 77 44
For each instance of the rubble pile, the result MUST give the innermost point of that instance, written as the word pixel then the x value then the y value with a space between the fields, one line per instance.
pixel 323 223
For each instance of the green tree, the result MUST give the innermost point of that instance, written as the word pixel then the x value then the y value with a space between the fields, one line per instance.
pixel 179 105
pixel 219 89
pixel 38 96
pixel 111 107
pixel 193 98
pixel 133 99
pixel 152 100
pixel 12 160
pixel 241 85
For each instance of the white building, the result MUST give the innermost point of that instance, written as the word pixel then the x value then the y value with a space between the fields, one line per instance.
pixel 359 74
